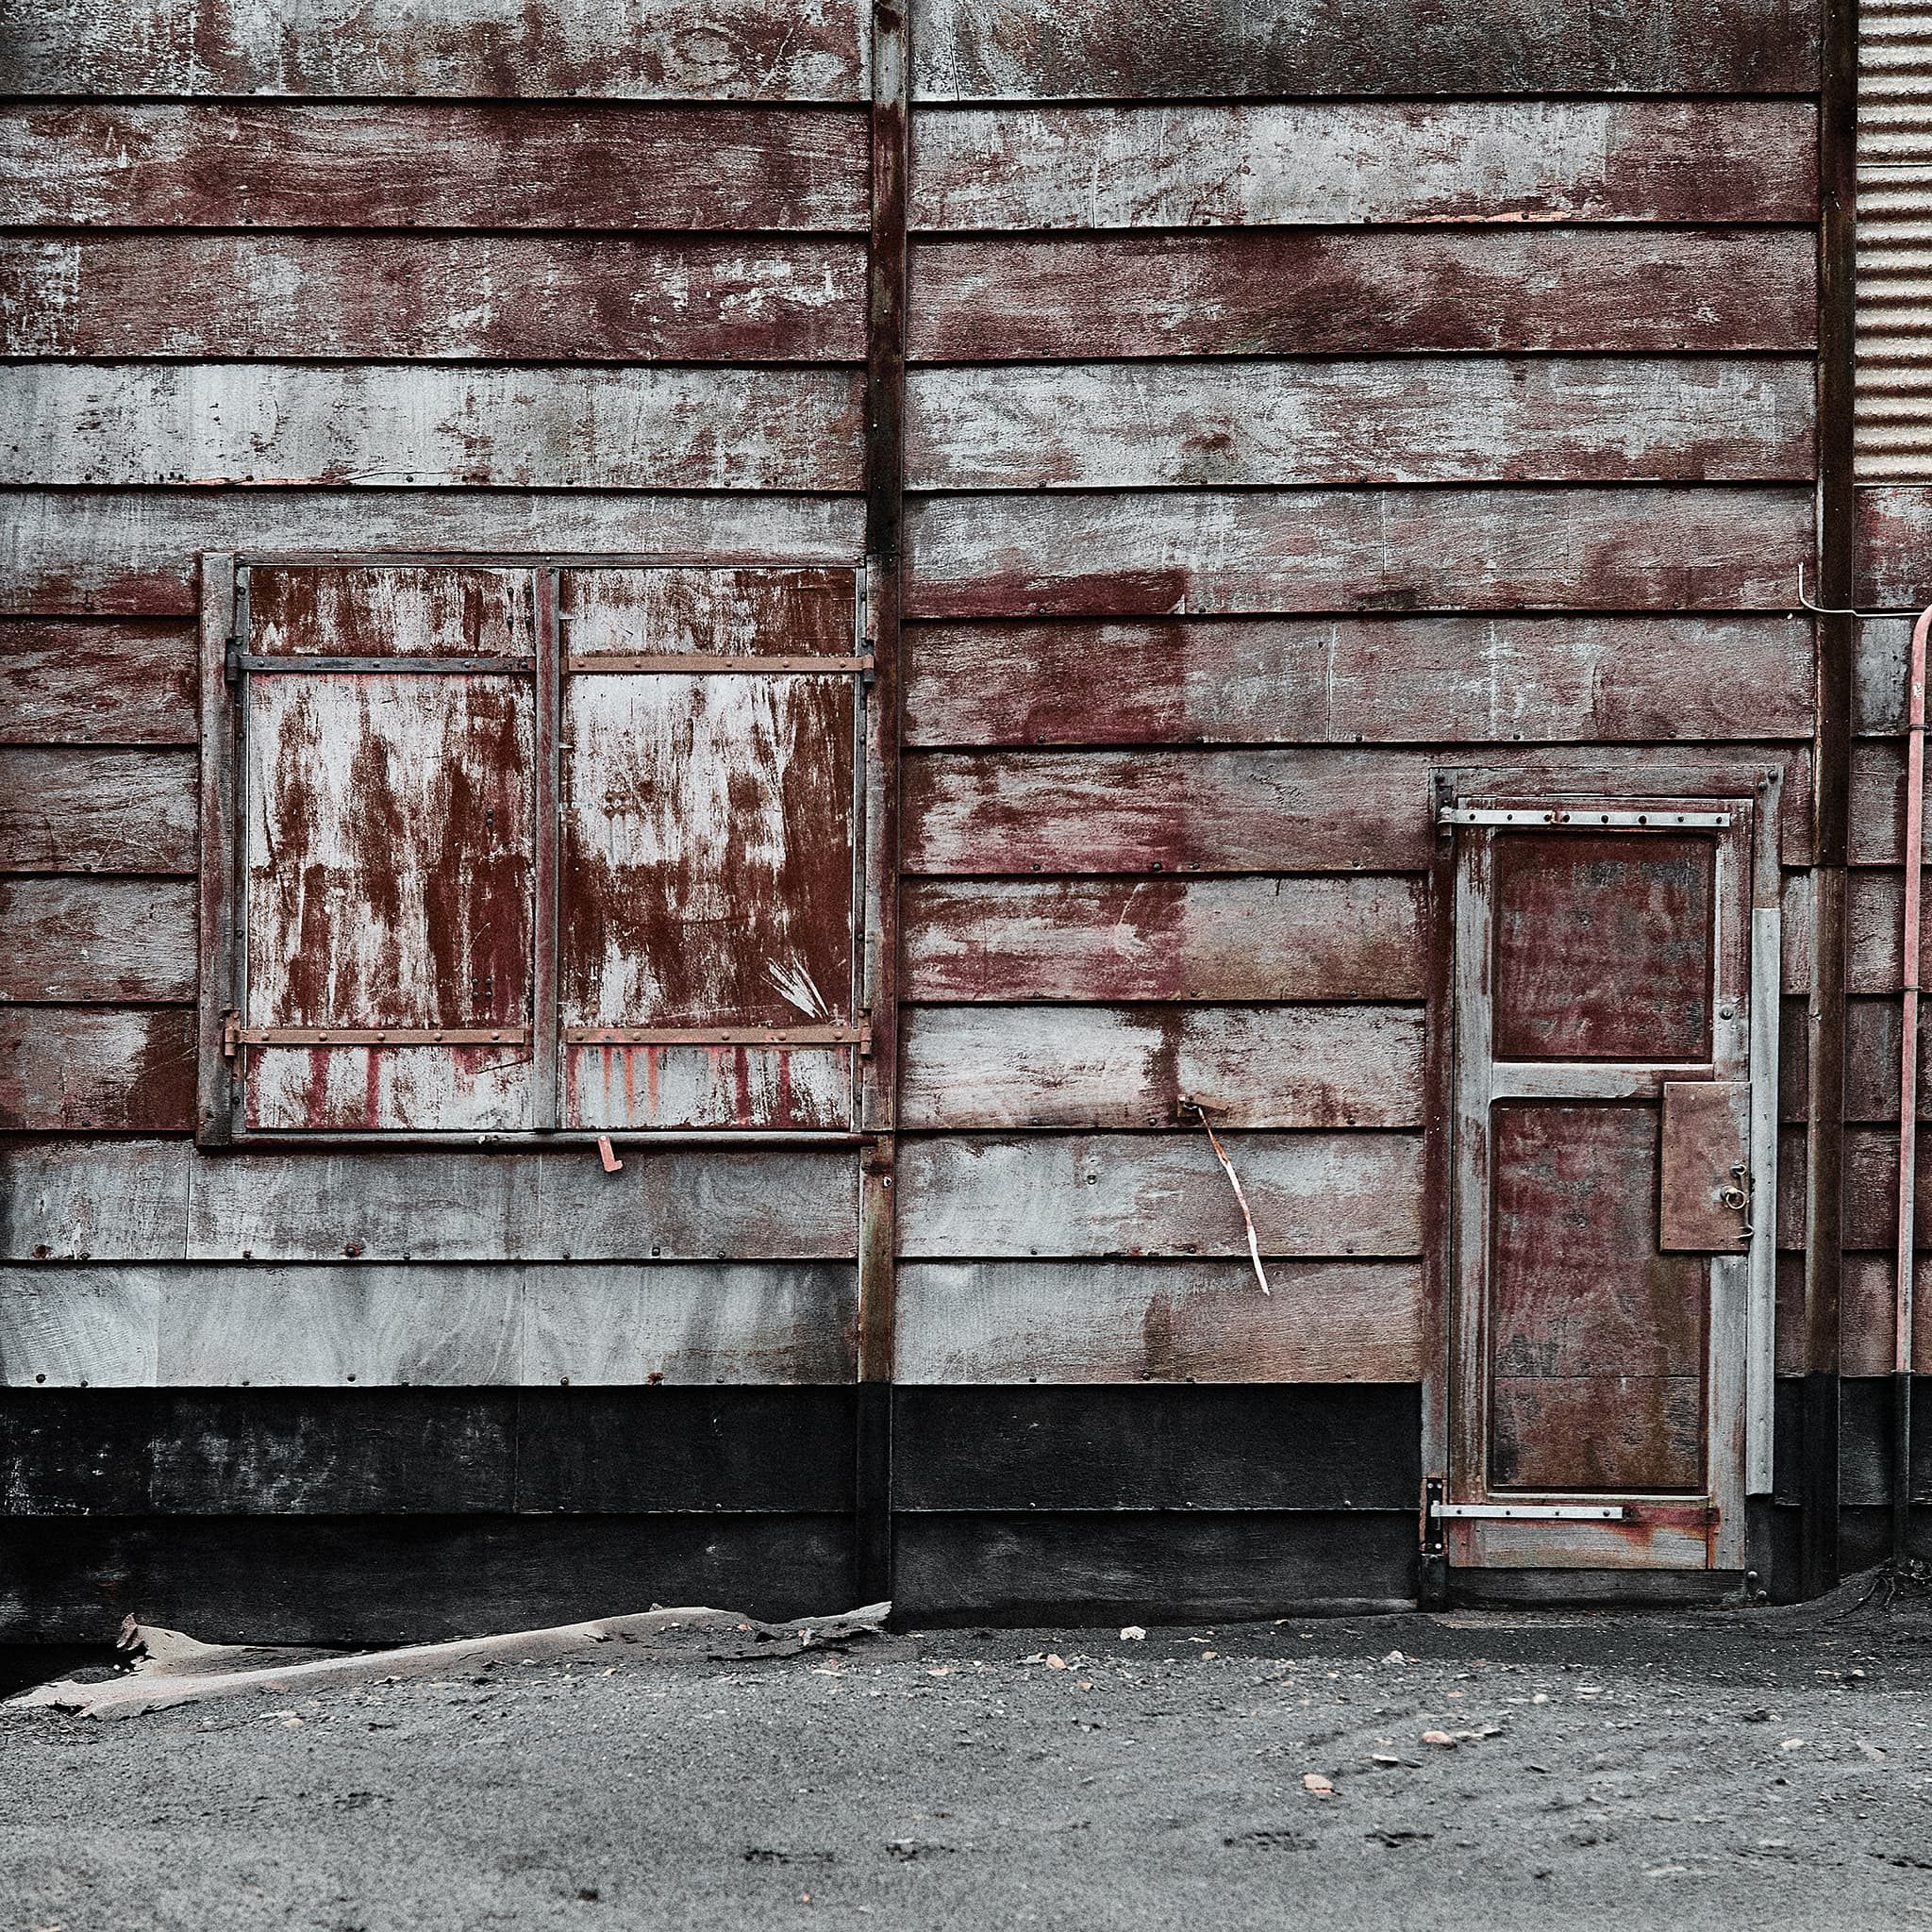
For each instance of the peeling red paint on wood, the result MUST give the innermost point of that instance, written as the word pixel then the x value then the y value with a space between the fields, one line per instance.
pixel 569 298
pixel 1251 1066
pixel 67 683
pixel 1259 550
pixel 88 1069
pixel 1031 49
pixel 81 809
pixel 1605 947
pixel 418 164
pixel 124 940
pixel 1301 291
pixel 1282 164
pixel 132 552
pixel 720 49
pixel 704 612
pixel 1596 1341
pixel 423 423
pixel 397 610
pixel 1450 679
pixel 1240 939
pixel 1438 420
pixel 387 829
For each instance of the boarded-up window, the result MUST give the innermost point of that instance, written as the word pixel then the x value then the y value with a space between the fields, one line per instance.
pixel 523 849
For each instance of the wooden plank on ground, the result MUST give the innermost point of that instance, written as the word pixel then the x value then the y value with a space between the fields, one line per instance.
pixel 1339 1194
pixel 127 941
pixel 68 683
pixel 1251 1066
pixel 649 49
pixel 1259 1446
pixel 428 164
pixel 1238 939
pixel 1129 554
pixel 1310 809
pixel 734 1323
pixel 1300 163
pixel 96 1069
pixel 417 424
pixel 86 810
pixel 1044 49
pixel 424 1204
pixel 1157 1321
pixel 574 298
pixel 1455 419
pixel 132 552
pixel 1350 680
pixel 1344 292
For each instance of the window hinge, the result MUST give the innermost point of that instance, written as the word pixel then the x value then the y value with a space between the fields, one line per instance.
pixel 231 663
pixel 231 1034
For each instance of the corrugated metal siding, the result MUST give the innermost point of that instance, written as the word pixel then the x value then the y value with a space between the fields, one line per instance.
pixel 1894 387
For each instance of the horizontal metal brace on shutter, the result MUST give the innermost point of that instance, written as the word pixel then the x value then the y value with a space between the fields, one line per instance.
pixel 1531 1512
pixel 236 1035
pixel 689 664
pixel 423 667
pixel 1545 815
pixel 719 1036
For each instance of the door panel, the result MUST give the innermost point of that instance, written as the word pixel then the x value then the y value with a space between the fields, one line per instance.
pixel 1603 965
pixel 1604 946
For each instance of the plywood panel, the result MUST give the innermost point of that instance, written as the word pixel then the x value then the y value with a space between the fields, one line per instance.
pixel 741 1323
pixel 97 683
pixel 84 810
pixel 1269 163
pixel 417 1204
pixel 132 552
pixel 82 1200
pixel 580 298
pixel 1263 551
pixel 387 849
pixel 356 1089
pixel 1117 1194
pixel 79 1068
pixel 1306 292
pixel 1157 1321
pixel 1447 680
pixel 1445 420
pixel 756 611
pixel 1039 49
pixel 787 1088
pixel 257 1325
pixel 428 164
pixel 1238 939
pixel 1312 810
pixel 416 423
pixel 125 941
pixel 1328 1066
pixel 739 49
pixel 393 610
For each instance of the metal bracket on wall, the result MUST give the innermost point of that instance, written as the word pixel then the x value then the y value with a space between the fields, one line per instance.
pixel 1530 1512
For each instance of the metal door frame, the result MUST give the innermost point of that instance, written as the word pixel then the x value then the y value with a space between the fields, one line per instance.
pixel 1557 1532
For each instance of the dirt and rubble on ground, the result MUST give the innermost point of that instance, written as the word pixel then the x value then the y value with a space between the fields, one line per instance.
pixel 1492 1769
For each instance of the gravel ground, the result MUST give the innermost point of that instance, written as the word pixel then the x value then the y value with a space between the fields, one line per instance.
pixel 1627 1772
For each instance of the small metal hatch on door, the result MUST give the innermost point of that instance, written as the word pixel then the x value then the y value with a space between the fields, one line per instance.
pixel 1605 1206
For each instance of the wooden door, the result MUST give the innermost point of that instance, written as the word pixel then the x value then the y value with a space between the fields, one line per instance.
pixel 1604 1200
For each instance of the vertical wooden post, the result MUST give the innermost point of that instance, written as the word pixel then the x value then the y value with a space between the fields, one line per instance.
pixel 545 835
pixel 215 955
pixel 1837 642
pixel 884 519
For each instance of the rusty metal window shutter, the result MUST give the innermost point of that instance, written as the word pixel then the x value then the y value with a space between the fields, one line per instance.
pixel 708 891
pixel 1893 389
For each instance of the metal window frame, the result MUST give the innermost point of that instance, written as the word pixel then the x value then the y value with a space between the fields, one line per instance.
pixel 225 1033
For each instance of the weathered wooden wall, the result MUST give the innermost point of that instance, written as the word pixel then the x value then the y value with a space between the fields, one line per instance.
pixel 1300 399
pixel 457 278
